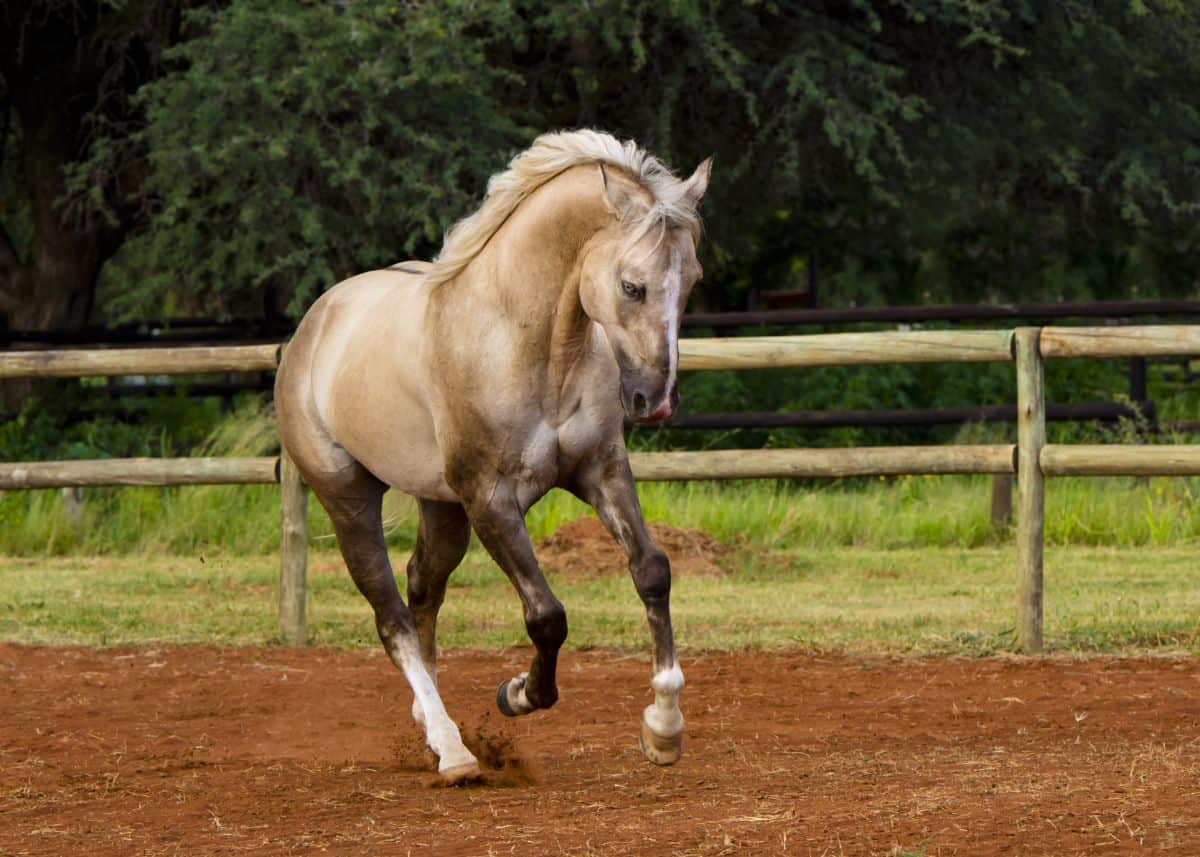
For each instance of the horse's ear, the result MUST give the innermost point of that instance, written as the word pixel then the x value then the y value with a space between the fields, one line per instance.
pixel 694 187
pixel 619 194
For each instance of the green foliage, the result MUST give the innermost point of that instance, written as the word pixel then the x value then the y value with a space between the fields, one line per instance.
pixel 187 520
pixel 299 143
pixel 170 426
pixel 923 149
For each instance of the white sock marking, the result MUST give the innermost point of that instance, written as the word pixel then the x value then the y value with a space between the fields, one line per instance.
pixel 441 734
pixel 664 717
pixel 668 681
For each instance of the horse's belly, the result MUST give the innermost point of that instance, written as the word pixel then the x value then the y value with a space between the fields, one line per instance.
pixel 428 483
pixel 402 451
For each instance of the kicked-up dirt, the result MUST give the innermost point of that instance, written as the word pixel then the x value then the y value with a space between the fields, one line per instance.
pixel 197 750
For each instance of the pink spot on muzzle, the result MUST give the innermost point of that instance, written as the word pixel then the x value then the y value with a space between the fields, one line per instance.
pixel 662 412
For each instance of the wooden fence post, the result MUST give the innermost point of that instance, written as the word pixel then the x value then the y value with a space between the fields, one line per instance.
pixel 72 500
pixel 293 553
pixel 1002 491
pixel 1031 512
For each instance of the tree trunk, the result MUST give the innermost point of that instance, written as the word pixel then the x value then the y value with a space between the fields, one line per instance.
pixel 49 287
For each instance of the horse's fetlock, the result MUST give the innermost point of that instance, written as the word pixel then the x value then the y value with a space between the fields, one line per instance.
pixel 541 697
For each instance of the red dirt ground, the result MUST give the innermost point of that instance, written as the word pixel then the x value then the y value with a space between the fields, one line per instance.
pixel 197 750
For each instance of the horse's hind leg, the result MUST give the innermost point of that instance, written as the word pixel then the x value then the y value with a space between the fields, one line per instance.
pixel 353 498
pixel 442 539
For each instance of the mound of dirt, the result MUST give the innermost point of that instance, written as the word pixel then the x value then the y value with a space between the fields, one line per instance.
pixel 583 548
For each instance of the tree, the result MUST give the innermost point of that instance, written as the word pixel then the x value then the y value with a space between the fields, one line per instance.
pixel 928 149
pixel 293 145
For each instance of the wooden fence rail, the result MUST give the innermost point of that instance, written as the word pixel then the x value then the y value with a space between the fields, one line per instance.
pixel 814 463
pixel 185 360
pixel 846 349
pixel 1031 458
pixel 18 475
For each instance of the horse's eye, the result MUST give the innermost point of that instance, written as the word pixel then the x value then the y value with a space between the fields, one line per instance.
pixel 633 290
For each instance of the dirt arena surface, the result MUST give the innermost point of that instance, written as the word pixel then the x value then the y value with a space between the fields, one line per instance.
pixel 194 751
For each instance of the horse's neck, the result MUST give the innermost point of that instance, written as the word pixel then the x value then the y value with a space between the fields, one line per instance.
pixel 529 273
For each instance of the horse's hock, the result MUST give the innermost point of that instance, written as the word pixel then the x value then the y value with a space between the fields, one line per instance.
pixel 1031 458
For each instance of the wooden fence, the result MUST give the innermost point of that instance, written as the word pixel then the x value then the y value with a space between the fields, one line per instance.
pixel 1031 458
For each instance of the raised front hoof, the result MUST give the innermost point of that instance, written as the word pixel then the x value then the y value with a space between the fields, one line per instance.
pixel 658 749
pixel 510 697
pixel 461 774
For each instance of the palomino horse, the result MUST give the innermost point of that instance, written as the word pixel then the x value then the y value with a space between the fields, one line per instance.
pixel 479 382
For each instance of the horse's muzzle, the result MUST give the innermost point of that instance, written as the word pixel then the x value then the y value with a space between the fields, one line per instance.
pixel 650 409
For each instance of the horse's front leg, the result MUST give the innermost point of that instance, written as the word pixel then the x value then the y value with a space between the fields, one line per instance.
pixel 607 485
pixel 498 519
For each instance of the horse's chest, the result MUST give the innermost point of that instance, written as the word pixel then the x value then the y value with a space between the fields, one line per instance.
pixel 548 452
pixel 537 463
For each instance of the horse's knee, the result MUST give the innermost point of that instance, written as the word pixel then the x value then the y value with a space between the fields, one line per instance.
pixel 652 577
pixel 547 626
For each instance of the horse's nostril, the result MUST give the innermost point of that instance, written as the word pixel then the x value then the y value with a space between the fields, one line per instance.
pixel 639 403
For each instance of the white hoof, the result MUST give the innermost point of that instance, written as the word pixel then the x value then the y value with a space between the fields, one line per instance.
pixel 457 764
pixel 467 772
pixel 660 749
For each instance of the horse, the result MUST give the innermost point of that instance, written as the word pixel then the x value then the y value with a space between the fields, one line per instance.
pixel 481 380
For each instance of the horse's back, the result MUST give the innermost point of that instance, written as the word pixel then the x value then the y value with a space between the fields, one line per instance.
pixel 352 383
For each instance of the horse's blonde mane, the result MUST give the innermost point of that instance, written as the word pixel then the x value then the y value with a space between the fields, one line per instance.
pixel 550 155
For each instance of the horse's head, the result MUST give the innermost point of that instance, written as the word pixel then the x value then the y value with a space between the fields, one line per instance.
pixel 635 282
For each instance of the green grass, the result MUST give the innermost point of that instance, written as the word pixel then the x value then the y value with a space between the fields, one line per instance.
pixel 904 512
pixel 903 600
pixel 909 564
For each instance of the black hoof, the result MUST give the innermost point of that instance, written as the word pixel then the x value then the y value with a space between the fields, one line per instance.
pixel 502 700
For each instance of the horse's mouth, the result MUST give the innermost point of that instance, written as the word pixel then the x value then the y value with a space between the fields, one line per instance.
pixel 653 420
pixel 657 417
